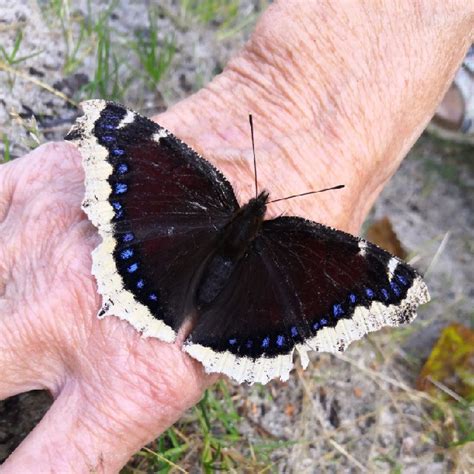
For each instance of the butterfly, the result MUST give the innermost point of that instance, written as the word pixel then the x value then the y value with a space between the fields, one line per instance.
pixel 177 247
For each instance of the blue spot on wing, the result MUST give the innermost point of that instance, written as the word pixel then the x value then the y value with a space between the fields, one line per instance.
pixel 121 188
pixel 352 298
pixel 128 237
pixel 266 342
pixel 337 310
pixel 110 116
pixel 122 168
pixel 153 296
pixel 118 152
pixel 385 294
pixel 280 340
pixel 132 268
pixel 316 325
pixel 369 293
pixel 232 341
pixel 294 331
pixel 395 288
pixel 108 138
pixel 140 284
pixel 402 280
pixel 127 253
pixel 118 209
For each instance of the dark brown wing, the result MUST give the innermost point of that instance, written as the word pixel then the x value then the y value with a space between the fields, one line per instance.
pixel 158 206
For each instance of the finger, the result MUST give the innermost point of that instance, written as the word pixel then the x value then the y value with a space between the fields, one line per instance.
pixel 91 428
pixel 71 438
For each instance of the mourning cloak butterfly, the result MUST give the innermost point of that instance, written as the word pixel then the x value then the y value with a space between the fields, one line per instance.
pixel 177 245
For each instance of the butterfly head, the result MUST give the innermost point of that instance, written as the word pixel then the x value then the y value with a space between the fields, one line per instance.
pixel 246 223
pixel 258 206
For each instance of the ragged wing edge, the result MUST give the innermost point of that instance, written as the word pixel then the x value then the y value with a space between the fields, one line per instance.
pixel 337 339
pixel 116 299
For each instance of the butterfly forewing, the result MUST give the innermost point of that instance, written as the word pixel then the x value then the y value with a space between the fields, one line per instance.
pixel 159 207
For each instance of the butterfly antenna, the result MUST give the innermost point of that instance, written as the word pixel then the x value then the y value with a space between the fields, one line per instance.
pixel 254 158
pixel 339 186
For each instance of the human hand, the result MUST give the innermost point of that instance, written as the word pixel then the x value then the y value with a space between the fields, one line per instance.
pixel 113 390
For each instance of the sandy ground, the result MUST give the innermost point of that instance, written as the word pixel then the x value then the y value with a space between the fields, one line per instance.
pixel 349 413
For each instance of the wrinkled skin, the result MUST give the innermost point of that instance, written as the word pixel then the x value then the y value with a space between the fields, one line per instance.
pixel 315 127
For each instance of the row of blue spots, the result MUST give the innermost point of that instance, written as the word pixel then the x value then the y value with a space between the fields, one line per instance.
pixel 280 342
pixel 133 267
pixel 109 139
pixel 320 324
pixel 109 122
pixel 338 309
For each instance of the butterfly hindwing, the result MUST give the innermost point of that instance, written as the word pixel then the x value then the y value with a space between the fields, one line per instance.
pixel 302 286
pixel 158 206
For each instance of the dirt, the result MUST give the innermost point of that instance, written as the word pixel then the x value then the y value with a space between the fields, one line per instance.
pixel 18 416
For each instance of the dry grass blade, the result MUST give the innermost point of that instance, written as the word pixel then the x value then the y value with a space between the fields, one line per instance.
pixel 448 391
pixel 165 460
pixel 439 251
pixel 348 455
pixel 33 80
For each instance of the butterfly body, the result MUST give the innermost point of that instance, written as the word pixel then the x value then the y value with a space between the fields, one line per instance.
pixel 175 242
pixel 231 247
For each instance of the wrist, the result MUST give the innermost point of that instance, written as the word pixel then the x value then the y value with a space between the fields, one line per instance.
pixel 326 112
